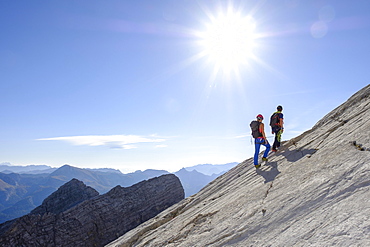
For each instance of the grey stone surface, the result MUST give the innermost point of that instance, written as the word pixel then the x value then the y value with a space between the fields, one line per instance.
pixel 314 192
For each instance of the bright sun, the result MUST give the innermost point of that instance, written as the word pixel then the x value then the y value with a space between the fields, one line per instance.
pixel 229 41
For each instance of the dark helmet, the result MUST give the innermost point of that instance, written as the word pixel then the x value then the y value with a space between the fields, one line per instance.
pixel 259 117
pixel 279 108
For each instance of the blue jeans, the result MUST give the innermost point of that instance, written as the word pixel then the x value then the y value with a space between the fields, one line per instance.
pixel 257 144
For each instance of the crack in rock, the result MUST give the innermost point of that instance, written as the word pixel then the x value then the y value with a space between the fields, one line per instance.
pixel 359 146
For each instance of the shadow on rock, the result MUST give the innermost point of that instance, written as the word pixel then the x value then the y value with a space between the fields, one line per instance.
pixel 294 155
pixel 269 175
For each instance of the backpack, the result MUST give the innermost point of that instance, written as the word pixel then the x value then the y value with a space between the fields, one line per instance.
pixel 255 125
pixel 274 120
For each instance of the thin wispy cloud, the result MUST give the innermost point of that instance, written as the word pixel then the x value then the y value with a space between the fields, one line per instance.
pixel 111 141
pixel 161 146
pixel 242 136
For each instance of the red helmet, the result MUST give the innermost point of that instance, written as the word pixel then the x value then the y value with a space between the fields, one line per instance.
pixel 259 117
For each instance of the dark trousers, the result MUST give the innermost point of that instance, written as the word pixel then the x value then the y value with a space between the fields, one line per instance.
pixel 277 140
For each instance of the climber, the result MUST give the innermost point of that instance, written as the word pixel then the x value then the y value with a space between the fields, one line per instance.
pixel 258 133
pixel 276 123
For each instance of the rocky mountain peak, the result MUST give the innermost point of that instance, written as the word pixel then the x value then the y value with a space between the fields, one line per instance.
pixel 95 221
pixel 66 197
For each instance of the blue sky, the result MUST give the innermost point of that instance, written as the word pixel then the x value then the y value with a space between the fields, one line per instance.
pixel 133 85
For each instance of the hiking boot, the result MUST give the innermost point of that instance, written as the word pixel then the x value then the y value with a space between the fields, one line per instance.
pixel 257 166
pixel 264 159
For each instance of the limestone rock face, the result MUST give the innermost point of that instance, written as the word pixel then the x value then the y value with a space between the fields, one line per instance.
pixel 314 192
pixel 94 222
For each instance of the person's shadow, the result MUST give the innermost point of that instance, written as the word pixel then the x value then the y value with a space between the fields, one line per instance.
pixel 271 174
pixel 295 155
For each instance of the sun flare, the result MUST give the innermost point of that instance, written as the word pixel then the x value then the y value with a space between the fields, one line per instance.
pixel 229 40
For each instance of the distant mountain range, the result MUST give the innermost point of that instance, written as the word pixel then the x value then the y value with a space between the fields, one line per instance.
pixel 23 188
pixel 6 167
pixel 209 169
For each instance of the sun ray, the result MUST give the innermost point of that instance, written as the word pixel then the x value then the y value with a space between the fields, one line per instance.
pixel 228 40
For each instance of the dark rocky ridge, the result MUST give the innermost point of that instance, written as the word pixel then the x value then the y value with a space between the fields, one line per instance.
pixel 66 197
pixel 97 221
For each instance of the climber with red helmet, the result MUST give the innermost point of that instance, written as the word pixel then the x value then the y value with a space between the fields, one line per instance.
pixel 258 133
